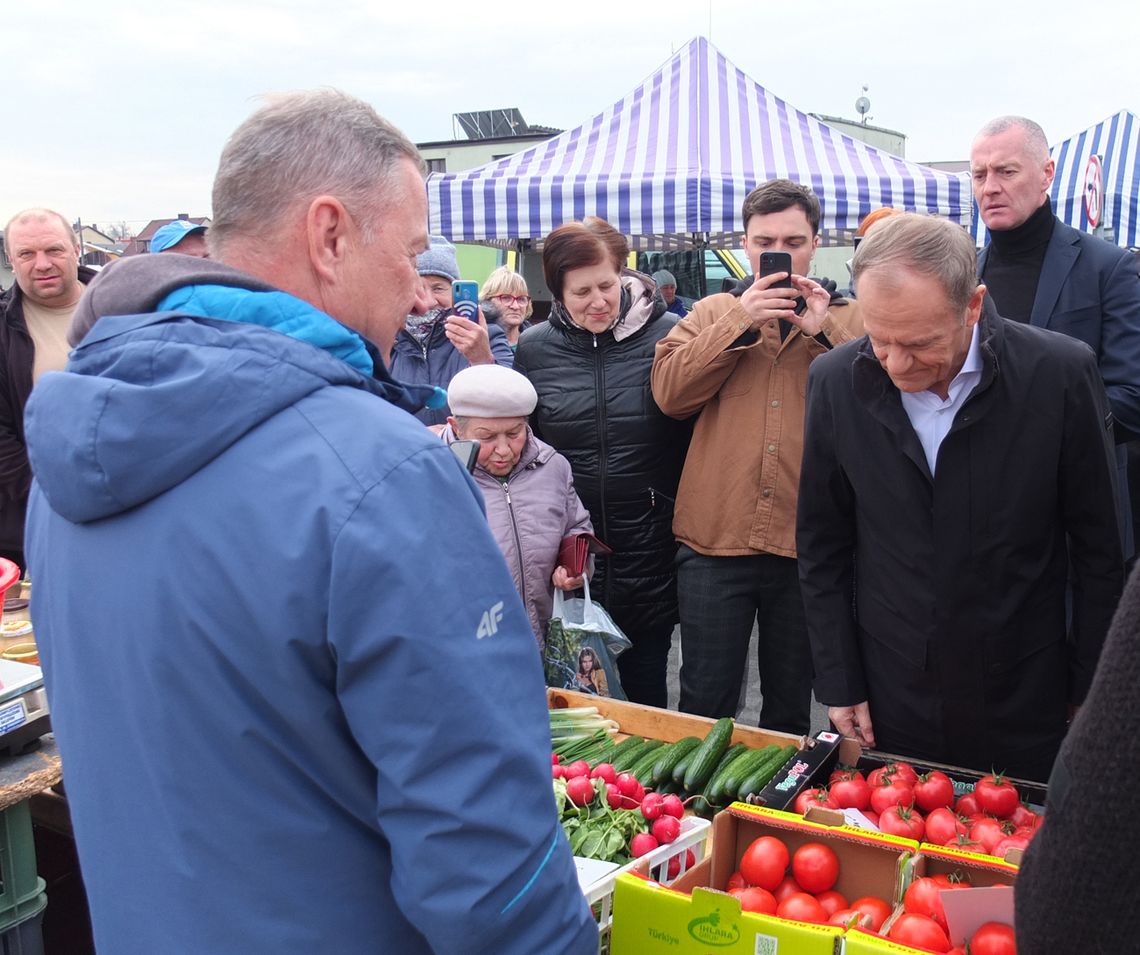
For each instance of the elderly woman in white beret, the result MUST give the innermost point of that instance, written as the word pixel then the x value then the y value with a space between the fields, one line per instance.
pixel 527 485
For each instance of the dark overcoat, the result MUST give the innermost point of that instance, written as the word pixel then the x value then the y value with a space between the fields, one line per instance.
pixel 941 599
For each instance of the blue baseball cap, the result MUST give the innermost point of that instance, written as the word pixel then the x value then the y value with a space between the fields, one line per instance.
pixel 172 233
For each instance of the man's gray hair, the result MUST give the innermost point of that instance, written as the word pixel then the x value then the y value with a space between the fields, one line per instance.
pixel 297 147
pixel 40 214
pixel 1035 142
pixel 923 244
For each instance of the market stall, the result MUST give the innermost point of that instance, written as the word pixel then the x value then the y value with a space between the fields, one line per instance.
pixel 674 159
pixel 828 848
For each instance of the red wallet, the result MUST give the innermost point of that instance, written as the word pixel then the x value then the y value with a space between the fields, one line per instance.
pixel 573 550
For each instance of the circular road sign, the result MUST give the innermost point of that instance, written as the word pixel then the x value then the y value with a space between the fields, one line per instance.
pixel 1094 190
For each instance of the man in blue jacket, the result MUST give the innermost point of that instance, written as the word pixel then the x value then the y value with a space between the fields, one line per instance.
pixel 282 732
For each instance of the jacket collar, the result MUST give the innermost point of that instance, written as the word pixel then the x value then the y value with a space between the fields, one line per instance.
pixel 874 389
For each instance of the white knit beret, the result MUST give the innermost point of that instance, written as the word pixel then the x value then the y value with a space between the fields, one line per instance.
pixel 491 391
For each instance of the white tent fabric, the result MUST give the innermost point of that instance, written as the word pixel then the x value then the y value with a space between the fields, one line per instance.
pixel 1116 140
pixel 677 156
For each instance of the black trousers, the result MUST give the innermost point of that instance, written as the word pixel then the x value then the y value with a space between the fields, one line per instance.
pixel 720 598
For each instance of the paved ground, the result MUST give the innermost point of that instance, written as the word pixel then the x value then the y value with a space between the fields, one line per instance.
pixel 750 715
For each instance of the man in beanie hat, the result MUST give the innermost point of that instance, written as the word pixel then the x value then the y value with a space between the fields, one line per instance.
pixel 527 485
pixel 436 342
pixel 667 286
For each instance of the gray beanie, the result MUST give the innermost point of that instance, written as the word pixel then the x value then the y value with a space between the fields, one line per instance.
pixel 439 259
pixel 664 277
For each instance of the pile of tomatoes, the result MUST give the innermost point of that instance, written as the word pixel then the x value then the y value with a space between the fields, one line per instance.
pixel 800 885
pixel 992 819
pixel 923 922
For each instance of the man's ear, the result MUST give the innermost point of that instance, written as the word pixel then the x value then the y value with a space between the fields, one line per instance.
pixel 974 306
pixel 327 226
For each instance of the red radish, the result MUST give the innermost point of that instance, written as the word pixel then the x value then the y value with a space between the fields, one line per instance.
pixel 555 759
pixel 652 806
pixel 577 768
pixel 614 798
pixel 556 772
pixel 672 806
pixel 628 785
pixel 666 829
pixel 674 868
pixel 641 844
pixel 604 771
pixel 580 791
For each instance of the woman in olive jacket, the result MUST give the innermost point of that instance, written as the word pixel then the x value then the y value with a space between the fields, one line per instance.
pixel 590 364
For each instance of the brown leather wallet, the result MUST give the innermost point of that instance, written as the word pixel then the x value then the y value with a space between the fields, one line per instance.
pixel 573 550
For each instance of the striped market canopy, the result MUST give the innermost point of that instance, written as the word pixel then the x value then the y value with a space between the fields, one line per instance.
pixel 677 156
pixel 1116 140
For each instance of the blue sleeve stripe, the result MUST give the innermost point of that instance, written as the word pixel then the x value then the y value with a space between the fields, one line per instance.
pixel 526 888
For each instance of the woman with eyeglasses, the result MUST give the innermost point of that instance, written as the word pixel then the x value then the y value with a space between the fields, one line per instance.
pixel 590 364
pixel 507 293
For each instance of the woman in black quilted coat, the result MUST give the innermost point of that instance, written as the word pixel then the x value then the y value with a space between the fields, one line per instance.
pixel 590 364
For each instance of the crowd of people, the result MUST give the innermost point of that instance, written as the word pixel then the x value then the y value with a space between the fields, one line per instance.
pixel 244 500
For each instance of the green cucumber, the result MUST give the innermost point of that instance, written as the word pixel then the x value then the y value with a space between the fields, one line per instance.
pixel 668 758
pixel 763 775
pixel 714 791
pixel 642 770
pixel 708 754
pixel 630 742
pixel 630 758
pixel 740 770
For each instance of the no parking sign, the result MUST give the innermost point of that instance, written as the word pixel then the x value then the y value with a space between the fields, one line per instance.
pixel 1094 190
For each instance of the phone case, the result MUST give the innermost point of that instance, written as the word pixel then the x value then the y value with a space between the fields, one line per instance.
pixel 465 300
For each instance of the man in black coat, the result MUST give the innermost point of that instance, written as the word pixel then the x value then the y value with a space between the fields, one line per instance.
pixel 956 465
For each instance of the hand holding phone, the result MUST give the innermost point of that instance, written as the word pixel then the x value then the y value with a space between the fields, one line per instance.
pixel 465 300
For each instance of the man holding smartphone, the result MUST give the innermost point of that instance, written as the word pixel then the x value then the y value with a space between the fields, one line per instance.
pixel 739 361
pixel 437 342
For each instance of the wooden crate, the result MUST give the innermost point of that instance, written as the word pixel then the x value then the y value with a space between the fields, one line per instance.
pixel 668 725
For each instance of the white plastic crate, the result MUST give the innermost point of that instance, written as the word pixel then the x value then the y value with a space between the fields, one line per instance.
pixel 695 833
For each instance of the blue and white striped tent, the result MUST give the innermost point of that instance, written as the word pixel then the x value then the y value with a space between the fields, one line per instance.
pixel 1117 141
pixel 677 156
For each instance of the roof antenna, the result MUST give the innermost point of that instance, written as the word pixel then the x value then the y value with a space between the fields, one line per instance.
pixel 862 105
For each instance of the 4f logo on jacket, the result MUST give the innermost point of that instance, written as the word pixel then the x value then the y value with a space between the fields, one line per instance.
pixel 489 625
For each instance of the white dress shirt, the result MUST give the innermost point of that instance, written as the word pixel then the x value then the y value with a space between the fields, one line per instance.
pixel 930 416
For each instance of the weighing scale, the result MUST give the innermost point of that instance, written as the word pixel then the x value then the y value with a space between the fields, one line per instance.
pixel 23 707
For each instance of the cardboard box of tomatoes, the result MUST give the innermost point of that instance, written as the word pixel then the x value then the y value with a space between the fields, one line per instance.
pixel 697 914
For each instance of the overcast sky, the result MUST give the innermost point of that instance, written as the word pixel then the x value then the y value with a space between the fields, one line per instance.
pixel 118 112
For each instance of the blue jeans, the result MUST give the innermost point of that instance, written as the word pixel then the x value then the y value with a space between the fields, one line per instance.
pixel 720 598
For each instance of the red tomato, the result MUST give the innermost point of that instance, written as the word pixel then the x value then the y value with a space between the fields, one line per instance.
pixel 997 795
pixel 755 899
pixel 967 805
pixel 815 867
pixel 736 881
pixel 993 938
pixel 764 862
pixel 891 792
pixel 943 827
pixel 957 950
pixel 903 771
pixel 966 844
pixel 849 918
pixel 674 868
pixel 845 772
pixel 988 831
pixel 876 776
pixel 922 898
pixel 878 910
pixel 933 790
pixel 1024 816
pixel 852 793
pixel 1009 842
pixel 872 817
pixel 802 908
pixel 919 931
pixel 812 797
pixel 901 821
pixel 788 886
pixel 831 901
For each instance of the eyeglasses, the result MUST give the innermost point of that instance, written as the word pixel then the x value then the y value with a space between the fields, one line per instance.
pixel 505 300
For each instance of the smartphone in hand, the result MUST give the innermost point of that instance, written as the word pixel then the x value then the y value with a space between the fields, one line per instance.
pixel 465 300
pixel 772 262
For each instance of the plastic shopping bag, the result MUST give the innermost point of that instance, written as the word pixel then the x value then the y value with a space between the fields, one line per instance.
pixel 582 646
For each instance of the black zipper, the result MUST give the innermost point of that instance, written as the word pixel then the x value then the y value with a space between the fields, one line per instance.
pixel 600 394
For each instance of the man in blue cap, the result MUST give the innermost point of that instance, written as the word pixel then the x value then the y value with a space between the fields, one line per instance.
pixel 181 236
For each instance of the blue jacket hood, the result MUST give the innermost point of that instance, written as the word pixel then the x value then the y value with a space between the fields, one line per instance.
pixel 148 399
